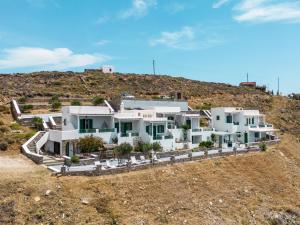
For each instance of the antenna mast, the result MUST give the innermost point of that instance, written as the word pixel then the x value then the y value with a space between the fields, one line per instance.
pixel 278 90
pixel 153 66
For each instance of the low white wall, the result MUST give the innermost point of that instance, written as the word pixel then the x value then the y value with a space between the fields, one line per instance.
pixel 33 156
pixel 43 140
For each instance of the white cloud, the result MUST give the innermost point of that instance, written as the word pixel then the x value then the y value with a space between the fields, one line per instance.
pixel 42 58
pixel 102 19
pixel 175 7
pixel 102 42
pixel 182 39
pixel 138 9
pixel 219 3
pixel 189 38
pixel 261 11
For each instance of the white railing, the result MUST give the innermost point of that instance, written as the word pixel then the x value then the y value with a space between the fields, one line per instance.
pixel 40 143
pixel 35 157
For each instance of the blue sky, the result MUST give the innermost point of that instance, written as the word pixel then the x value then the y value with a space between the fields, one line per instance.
pixel 209 40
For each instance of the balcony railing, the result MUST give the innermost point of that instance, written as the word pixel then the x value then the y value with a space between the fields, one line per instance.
pixel 107 130
pixel 197 130
pixel 168 137
pixel 134 134
pixel 87 131
pixel 236 123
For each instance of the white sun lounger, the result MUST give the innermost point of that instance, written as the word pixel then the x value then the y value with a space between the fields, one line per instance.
pixel 143 159
pixel 108 164
pixel 134 161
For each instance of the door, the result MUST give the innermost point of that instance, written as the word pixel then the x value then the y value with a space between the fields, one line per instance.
pixel 246 138
pixel 220 141
pixel 67 149
pixel 154 132
pixel 57 148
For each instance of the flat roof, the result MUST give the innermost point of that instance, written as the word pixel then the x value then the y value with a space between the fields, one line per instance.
pixel 90 110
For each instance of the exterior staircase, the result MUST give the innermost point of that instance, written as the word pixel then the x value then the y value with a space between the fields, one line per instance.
pixel 32 145
pixel 52 161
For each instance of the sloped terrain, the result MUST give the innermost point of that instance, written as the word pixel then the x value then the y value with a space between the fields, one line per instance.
pixel 258 188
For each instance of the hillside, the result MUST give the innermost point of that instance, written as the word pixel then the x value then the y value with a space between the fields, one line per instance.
pixel 258 188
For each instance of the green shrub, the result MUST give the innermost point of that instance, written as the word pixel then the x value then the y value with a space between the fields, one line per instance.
pixel 97 100
pixel 15 126
pixel 263 147
pixel 75 159
pixel 90 144
pixel 26 108
pixel 38 123
pixel 55 105
pixel 206 144
pixel 3 146
pixel 75 103
pixel 156 146
pixel 22 100
pixel 123 149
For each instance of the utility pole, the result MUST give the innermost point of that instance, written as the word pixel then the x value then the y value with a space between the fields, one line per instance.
pixel 153 66
pixel 278 90
pixel 247 78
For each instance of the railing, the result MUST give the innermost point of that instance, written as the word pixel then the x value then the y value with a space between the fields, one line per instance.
pixel 84 131
pixel 197 130
pixel 106 130
pixel 124 134
pixel 158 137
pixel 134 134
pixel 169 137
pixel 236 123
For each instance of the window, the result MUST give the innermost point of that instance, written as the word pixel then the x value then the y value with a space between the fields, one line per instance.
pixel 229 119
pixel 117 127
pixel 252 120
pixel 86 124
pixel 218 118
pixel 149 129
pixel 65 122
pixel 160 129
pixel 256 134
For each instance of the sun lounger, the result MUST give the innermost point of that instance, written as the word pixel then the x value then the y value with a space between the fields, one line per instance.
pixel 143 159
pixel 108 165
pixel 134 161
pixel 97 163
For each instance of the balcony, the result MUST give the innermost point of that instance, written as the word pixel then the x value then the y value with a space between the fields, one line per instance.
pixel 87 131
pixel 106 130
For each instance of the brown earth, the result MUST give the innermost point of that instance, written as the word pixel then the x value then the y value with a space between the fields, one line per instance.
pixel 258 188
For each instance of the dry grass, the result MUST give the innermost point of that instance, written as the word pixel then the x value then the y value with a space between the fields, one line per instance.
pixel 232 190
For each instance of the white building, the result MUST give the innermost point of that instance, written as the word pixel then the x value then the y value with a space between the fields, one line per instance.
pixel 107 69
pixel 236 125
pixel 135 120
pixel 168 122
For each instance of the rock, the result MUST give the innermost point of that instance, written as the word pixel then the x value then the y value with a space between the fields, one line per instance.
pixel 48 192
pixel 220 200
pixel 37 198
pixel 211 203
pixel 85 201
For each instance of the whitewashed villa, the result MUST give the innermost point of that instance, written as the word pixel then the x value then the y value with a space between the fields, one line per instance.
pixel 172 123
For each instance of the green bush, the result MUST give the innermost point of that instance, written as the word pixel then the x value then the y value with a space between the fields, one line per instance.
pixel 55 105
pixel 97 100
pixel 263 147
pixel 75 159
pixel 26 108
pixel 3 146
pixel 90 144
pixel 38 123
pixel 156 146
pixel 22 100
pixel 123 149
pixel 75 103
pixel 15 126
pixel 206 144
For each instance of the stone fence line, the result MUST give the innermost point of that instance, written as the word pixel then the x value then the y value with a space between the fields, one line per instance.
pixel 99 172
